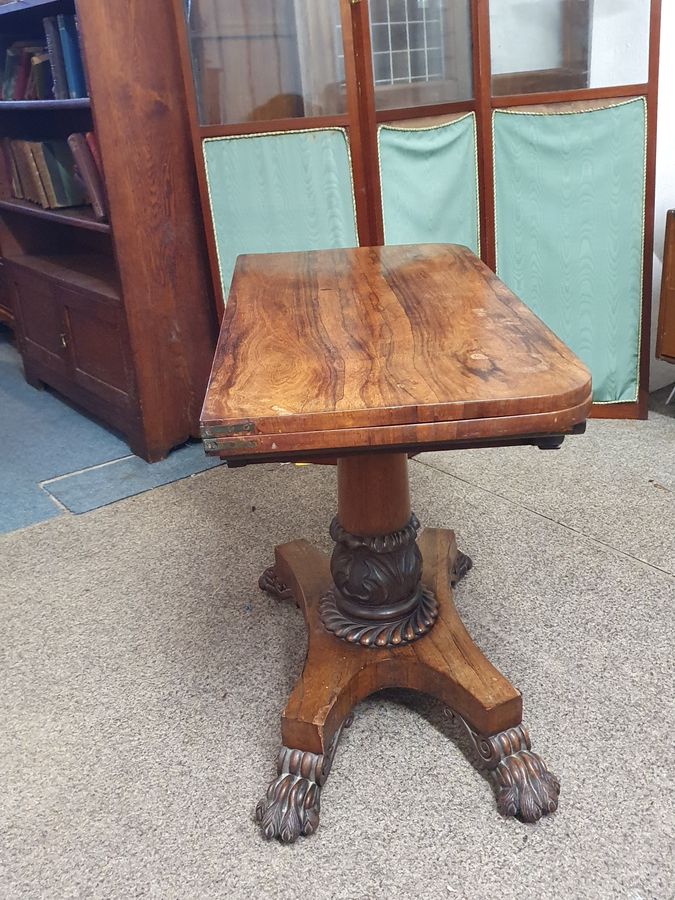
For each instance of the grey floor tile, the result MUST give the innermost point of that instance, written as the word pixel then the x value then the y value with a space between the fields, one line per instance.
pixel 616 483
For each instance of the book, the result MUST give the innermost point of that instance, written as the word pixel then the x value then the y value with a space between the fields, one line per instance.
pixel 42 76
pixel 37 177
pixel 10 164
pixel 72 57
pixel 42 172
pixel 55 201
pixel 59 79
pixel 13 63
pixel 30 179
pixel 61 166
pixel 24 177
pixel 6 41
pixel 6 180
pixel 23 72
pixel 90 137
pixel 89 173
pixel 31 92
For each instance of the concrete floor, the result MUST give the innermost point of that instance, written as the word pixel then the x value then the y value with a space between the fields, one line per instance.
pixel 143 675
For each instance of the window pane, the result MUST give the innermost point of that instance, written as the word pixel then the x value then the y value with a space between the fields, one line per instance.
pixel 421 52
pixel 551 45
pixel 265 59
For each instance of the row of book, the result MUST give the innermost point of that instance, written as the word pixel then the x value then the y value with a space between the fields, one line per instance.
pixel 55 174
pixel 47 68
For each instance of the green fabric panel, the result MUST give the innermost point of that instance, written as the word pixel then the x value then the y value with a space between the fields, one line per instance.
pixel 279 192
pixel 430 183
pixel 569 205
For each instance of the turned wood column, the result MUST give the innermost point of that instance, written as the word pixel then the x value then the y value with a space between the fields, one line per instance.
pixel 377 598
pixel 373 493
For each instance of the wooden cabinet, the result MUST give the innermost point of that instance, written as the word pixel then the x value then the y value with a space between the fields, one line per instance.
pixel 665 337
pixel 117 315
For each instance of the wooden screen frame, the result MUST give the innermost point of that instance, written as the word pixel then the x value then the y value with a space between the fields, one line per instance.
pixel 665 335
pixel 361 121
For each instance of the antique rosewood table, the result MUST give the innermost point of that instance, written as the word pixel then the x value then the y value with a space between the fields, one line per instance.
pixel 368 356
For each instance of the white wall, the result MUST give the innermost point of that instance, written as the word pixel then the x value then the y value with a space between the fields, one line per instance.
pixel 619 42
pixel 525 35
pixel 663 373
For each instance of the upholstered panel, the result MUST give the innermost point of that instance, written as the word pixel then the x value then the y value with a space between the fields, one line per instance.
pixel 569 205
pixel 279 192
pixel 430 183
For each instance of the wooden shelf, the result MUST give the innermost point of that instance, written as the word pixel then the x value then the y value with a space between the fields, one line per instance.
pixel 35 105
pixel 15 6
pixel 91 272
pixel 77 216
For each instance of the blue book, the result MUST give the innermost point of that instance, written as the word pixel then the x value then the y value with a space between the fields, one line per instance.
pixel 72 57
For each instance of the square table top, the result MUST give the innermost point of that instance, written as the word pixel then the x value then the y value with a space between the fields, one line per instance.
pixel 399 347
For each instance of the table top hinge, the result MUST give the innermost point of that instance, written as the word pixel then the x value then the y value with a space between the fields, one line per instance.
pixel 227 430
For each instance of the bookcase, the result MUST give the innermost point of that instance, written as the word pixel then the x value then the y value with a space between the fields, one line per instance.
pixel 115 314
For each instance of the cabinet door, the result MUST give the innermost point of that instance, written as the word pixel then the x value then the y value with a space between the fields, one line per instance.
pixel 96 339
pixel 41 327
pixel 6 303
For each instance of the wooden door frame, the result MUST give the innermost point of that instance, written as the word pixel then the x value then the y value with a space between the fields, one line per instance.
pixel 361 121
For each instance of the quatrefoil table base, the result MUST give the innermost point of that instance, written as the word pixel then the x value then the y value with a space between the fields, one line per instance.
pixel 444 663
pixel 364 357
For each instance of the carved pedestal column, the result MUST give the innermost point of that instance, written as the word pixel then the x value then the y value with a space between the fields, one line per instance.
pixel 377 598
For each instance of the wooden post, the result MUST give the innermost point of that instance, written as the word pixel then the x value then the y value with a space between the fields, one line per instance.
pixel 373 493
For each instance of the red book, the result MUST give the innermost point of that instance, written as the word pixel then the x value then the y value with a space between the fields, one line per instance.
pixel 23 72
pixel 89 174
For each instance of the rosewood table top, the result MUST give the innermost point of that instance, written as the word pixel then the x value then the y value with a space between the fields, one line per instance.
pixel 399 347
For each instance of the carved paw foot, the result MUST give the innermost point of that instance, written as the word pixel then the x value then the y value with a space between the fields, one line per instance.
pixel 525 787
pixel 290 807
pixel 462 565
pixel 269 581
